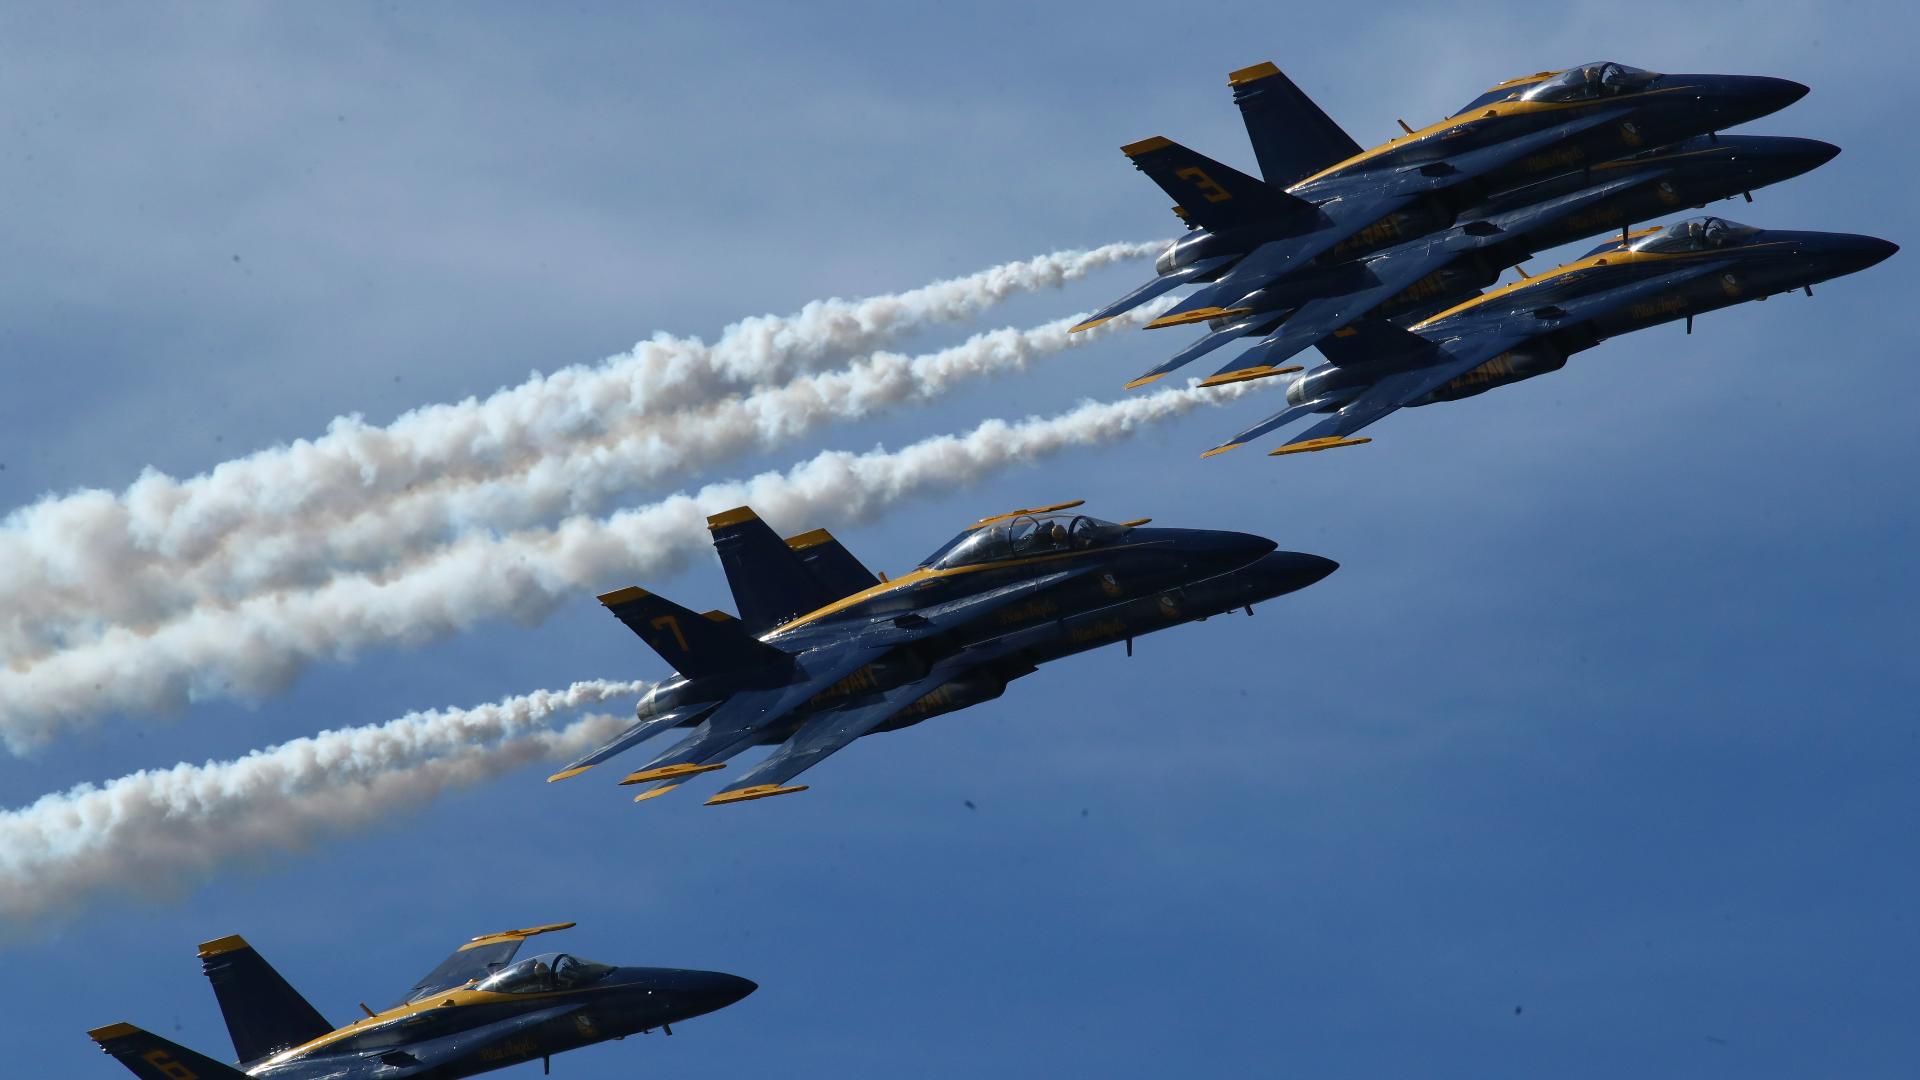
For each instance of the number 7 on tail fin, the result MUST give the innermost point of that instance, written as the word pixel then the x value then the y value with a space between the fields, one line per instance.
pixel 695 644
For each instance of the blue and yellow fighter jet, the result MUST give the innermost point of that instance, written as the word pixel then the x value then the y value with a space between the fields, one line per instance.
pixel 1530 327
pixel 824 652
pixel 1443 268
pixel 1325 197
pixel 476 1012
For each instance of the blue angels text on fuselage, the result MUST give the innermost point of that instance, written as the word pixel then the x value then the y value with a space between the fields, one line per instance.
pixel 824 652
pixel 475 1012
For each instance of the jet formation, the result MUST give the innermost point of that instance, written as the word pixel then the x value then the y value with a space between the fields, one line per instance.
pixel 476 1011
pixel 1379 257
pixel 824 651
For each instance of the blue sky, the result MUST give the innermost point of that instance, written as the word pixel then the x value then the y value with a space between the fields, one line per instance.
pixel 1595 758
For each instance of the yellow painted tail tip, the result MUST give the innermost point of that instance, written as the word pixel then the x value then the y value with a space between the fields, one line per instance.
pixel 1220 449
pixel 1252 74
pixel 1146 145
pixel 230 943
pixel 731 517
pixel 1312 445
pixel 621 596
pixel 762 791
pixel 1089 324
pixel 1144 380
pixel 1184 317
pixel 565 774
pixel 112 1031
pixel 654 793
pixel 669 772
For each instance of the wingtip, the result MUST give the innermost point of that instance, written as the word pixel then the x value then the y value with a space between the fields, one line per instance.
pixel 1314 445
pixel 761 791
pixel 566 774
pixel 1221 449
pixel 1184 317
pixel 669 772
pixel 1090 324
pixel 1144 380
pixel 654 793
pixel 1260 371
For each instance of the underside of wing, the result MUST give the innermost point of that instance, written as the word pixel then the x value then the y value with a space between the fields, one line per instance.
pixel 1159 286
pixel 821 736
pixel 632 737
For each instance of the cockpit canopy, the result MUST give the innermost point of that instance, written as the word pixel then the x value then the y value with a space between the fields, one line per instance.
pixel 1022 537
pixel 544 974
pixel 1597 80
pixel 1696 234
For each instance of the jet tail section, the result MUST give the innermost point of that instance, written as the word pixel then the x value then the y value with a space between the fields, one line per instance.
pixel 1292 137
pixel 150 1057
pixel 694 644
pixel 264 1013
pixel 770 581
pixel 1212 195
pixel 829 561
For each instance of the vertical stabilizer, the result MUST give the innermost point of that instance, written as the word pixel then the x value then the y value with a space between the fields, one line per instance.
pixel 264 1013
pixel 770 582
pixel 830 561
pixel 1292 137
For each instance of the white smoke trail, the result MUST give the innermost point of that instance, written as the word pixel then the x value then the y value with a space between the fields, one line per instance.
pixel 95 551
pixel 157 831
pixel 275 552
pixel 257 646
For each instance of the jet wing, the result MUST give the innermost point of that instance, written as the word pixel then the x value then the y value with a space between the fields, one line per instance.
pixel 1465 353
pixel 744 719
pixel 477 959
pixel 1165 283
pixel 825 734
pixel 632 737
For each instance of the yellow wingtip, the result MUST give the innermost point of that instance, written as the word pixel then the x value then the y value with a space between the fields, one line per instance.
pixel 565 774
pixel 1313 445
pixel 1090 324
pixel 669 772
pixel 654 793
pixel 1220 449
pixel 1262 371
pixel 1185 317
pixel 762 791
pixel 1144 380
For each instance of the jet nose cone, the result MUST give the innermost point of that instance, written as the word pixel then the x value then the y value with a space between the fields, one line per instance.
pixel 1749 97
pixel 1242 548
pixel 1301 569
pixel 723 990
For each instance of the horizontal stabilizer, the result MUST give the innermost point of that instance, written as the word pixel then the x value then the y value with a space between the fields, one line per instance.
pixel 694 644
pixel 1165 283
pixel 632 737
pixel 1213 195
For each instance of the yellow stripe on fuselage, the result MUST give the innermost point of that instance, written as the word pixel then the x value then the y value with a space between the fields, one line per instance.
pixel 1610 257
pixel 457 998
pixel 1495 111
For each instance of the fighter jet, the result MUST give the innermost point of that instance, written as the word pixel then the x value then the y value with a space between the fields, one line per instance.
pixel 1530 327
pixel 1248 234
pixel 1443 268
pixel 824 652
pixel 476 1012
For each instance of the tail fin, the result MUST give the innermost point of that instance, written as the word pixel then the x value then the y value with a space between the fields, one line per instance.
pixel 770 582
pixel 1291 136
pixel 832 563
pixel 1210 194
pixel 1370 342
pixel 709 644
pixel 265 1014
pixel 150 1057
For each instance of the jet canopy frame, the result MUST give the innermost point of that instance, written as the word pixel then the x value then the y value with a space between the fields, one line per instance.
pixel 544 974
pixel 1588 81
pixel 1024 536
pixel 1696 234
